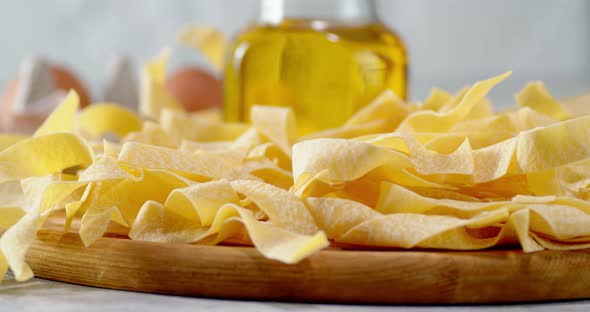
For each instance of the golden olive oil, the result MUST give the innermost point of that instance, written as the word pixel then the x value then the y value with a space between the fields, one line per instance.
pixel 324 72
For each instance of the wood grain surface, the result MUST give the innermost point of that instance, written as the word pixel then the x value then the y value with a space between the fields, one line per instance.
pixel 340 276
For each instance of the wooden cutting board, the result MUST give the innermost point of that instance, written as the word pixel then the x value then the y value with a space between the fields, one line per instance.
pixel 341 276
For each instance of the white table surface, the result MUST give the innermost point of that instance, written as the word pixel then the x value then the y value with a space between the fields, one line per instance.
pixel 47 296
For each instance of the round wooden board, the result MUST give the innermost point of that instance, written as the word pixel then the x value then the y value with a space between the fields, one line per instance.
pixel 338 276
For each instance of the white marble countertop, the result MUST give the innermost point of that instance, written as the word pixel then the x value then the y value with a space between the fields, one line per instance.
pixel 42 295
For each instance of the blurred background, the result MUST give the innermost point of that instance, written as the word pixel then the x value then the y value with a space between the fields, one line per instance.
pixel 451 42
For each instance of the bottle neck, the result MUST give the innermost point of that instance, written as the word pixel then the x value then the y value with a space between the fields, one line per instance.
pixel 333 11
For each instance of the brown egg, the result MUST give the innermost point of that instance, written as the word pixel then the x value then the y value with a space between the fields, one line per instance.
pixel 66 80
pixel 20 123
pixel 195 89
pixel 6 100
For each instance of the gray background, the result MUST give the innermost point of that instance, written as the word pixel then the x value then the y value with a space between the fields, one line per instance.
pixel 451 42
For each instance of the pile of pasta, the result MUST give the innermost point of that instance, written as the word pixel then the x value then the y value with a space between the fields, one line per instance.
pixel 448 173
